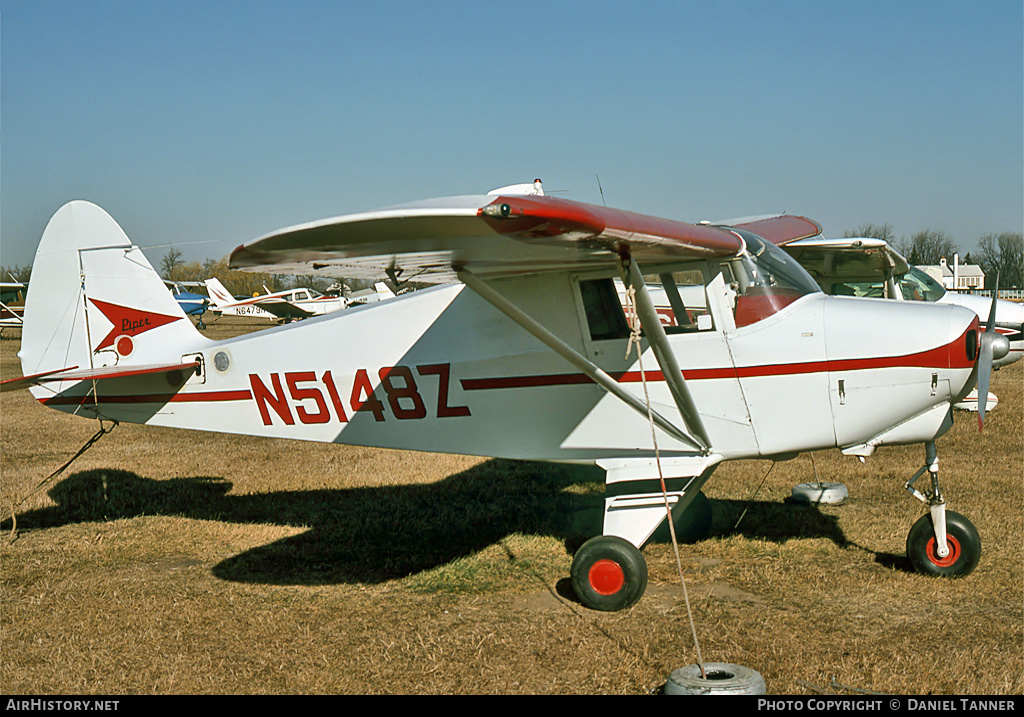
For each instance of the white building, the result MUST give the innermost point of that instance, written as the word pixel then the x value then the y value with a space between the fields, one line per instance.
pixel 959 277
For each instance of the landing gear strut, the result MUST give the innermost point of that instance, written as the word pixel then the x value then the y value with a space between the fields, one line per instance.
pixel 942 543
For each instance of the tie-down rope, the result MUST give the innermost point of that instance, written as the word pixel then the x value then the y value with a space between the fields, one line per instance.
pixel 88 444
pixel 635 340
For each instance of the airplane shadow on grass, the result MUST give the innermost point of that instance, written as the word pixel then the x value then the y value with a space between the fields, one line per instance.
pixel 375 534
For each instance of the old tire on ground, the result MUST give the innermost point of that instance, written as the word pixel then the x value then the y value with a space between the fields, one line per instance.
pixel 820 493
pixel 721 678
pixel 608 573
pixel 961 537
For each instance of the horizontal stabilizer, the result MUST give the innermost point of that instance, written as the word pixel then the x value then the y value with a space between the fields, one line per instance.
pixel 73 374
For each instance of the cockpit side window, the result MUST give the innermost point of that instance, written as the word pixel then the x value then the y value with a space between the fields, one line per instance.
pixel 916 285
pixel 678 293
pixel 681 300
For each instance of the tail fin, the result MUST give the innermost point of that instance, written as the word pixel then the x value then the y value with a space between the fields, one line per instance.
pixel 219 294
pixel 95 300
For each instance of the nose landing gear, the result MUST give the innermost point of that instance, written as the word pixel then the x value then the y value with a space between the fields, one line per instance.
pixel 942 543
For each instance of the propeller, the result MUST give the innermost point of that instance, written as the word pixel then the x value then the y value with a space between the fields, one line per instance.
pixel 993 346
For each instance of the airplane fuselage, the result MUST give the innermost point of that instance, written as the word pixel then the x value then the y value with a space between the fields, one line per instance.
pixel 442 370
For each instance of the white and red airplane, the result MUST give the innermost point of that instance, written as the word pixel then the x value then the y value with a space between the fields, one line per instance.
pixel 870 268
pixel 289 304
pixel 12 304
pixel 521 350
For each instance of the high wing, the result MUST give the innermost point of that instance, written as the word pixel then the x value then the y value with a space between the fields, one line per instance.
pixel 780 229
pixel 851 258
pixel 493 236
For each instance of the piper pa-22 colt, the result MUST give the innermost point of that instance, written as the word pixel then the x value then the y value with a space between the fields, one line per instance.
pixel 521 350
pixel 290 304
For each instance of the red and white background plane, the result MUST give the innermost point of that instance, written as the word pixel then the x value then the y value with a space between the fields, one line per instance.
pixel 290 304
pixel 520 350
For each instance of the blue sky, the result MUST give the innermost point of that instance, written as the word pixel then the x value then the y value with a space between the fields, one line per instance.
pixel 207 124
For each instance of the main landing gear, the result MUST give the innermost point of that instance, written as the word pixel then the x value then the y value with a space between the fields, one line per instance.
pixel 941 543
pixel 608 573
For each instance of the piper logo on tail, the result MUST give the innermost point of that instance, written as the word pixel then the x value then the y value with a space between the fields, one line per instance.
pixel 127 322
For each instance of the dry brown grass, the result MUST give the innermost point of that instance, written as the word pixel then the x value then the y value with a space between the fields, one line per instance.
pixel 168 561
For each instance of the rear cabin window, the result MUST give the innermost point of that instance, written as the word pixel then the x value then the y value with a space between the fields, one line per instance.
pixel 605 316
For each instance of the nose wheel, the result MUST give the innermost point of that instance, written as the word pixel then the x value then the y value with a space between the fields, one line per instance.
pixel 942 543
pixel 963 547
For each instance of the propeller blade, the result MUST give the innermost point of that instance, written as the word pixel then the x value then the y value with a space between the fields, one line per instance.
pixel 984 374
pixel 985 357
pixel 991 325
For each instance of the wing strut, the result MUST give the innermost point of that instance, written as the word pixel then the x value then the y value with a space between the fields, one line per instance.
pixel 655 333
pixel 594 372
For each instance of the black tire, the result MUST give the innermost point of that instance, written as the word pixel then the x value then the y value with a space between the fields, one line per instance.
pixel 720 678
pixel 608 573
pixel 961 537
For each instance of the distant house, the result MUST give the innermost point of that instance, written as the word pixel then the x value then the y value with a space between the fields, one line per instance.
pixel 959 277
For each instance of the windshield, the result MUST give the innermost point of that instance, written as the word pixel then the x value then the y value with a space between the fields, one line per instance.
pixel 916 285
pixel 766 280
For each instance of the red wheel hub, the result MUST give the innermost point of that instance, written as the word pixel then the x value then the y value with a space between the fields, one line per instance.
pixel 949 560
pixel 606 577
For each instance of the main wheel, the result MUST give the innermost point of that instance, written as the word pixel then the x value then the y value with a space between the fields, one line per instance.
pixel 608 573
pixel 961 537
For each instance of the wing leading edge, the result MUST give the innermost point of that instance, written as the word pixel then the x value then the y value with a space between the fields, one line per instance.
pixel 492 236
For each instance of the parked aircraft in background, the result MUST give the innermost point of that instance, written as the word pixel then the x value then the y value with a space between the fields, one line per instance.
pixel 12 304
pixel 523 350
pixel 870 268
pixel 289 304
pixel 191 303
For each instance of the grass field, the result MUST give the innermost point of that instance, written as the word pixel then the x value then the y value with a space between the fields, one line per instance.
pixel 174 562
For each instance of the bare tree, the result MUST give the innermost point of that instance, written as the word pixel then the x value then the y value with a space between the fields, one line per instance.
pixel 16 273
pixel 170 261
pixel 874 231
pixel 1002 254
pixel 927 247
